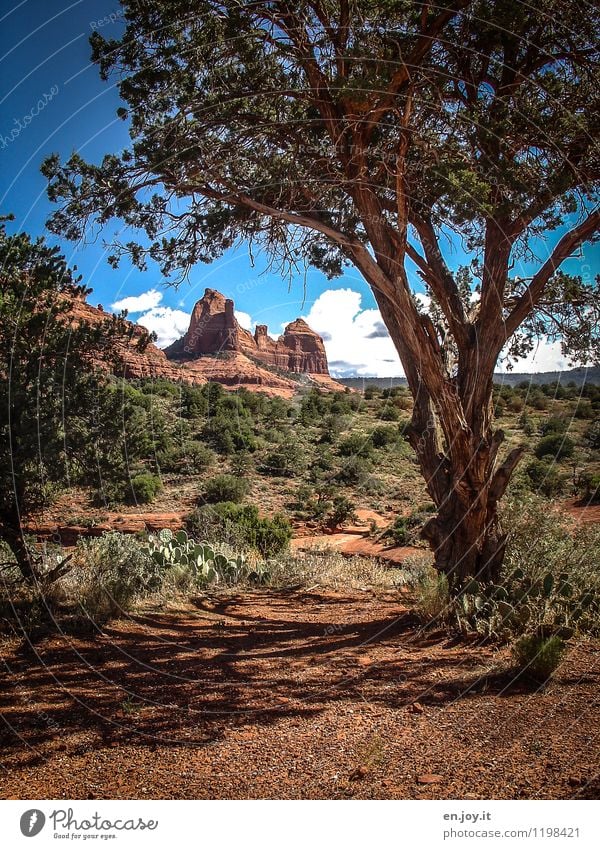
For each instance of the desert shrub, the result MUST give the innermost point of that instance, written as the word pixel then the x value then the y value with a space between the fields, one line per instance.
pixel 356 445
pixel 550 581
pixel 228 432
pixel 111 572
pixel 592 435
pixel 588 487
pixel 405 530
pixel 384 435
pixel 526 424
pixel 432 598
pixel 225 488
pixel 389 413
pixel 196 457
pixel 555 445
pixel 372 392
pixel 537 400
pixel 342 510
pixel 354 470
pixel 515 404
pixel 554 424
pixel 144 487
pixel 538 657
pixel 287 461
pixel 544 477
pixel 584 410
pixel 241 527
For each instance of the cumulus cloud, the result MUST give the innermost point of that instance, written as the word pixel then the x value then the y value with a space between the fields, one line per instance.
pixel 356 340
pixel 168 324
pixel 546 356
pixel 244 320
pixel 358 343
pixel 139 303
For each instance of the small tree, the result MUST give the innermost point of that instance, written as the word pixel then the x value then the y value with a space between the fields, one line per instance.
pixel 366 133
pixel 51 394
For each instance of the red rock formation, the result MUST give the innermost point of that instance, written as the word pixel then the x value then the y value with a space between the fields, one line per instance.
pixel 214 330
pixel 237 355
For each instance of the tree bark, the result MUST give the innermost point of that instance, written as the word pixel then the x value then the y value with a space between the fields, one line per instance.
pixel 12 533
pixel 457 450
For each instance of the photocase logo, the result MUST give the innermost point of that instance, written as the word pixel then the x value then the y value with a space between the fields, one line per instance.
pixel 32 822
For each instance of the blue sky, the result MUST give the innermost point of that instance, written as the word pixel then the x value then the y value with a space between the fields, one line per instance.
pixel 53 100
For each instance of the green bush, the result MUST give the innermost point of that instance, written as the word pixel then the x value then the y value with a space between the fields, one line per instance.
pixel 145 487
pixel 555 424
pixel 555 445
pixel 111 572
pixel 588 487
pixel 356 445
pixel 389 413
pixel 286 461
pixel 544 477
pixel 354 470
pixel 550 581
pixel 225 488
pixel 538 657
pixel 342 510
pixel 196 457
pixel 384 435
pixel 432 597
pixel 241 527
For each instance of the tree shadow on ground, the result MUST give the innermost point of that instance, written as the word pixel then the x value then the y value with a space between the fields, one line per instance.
pixel 183 678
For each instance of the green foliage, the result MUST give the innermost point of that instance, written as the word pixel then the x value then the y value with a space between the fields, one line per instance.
pixel 178 552
pixel 354 470
pixel 225 488
pixel 356 445
pixel 555 445
pixel 538 657
pixel 112 572
pixel 550 583
pixel 544 477
pixel 241 527
pixel 384 435
pixel 588 487
pixel 554 425
pixel 287 461
pixel 432 598
pixel 144 487
pixel 342 510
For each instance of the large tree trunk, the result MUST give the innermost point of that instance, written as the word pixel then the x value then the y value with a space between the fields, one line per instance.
pixel 466 483
pixel 457 449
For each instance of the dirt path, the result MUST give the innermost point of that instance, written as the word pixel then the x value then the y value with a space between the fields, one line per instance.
pixel 290 694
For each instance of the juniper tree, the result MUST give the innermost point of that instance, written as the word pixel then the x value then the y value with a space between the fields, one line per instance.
pixel 378 134
pixel 53 396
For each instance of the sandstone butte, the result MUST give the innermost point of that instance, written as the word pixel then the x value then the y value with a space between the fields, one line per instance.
pixel 216 348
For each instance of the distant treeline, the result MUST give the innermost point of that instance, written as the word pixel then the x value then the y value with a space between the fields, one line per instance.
pixel 577 376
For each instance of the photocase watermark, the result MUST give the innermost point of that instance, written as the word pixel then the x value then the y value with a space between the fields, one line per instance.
pixel 26 120
pixel 33 821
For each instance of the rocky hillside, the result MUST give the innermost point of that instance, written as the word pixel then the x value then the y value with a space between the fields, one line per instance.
pixel 216 348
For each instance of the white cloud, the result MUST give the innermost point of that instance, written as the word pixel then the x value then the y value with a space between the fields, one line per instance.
pixel 357 342
pixel 546 356
pixel 355 339
pixel 168 324
pixel 244 320
pixel 139 303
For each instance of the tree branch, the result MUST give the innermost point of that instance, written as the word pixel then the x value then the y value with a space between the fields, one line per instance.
pixel 566 245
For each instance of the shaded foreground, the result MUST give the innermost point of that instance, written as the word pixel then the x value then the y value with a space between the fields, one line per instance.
pixel 279 694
